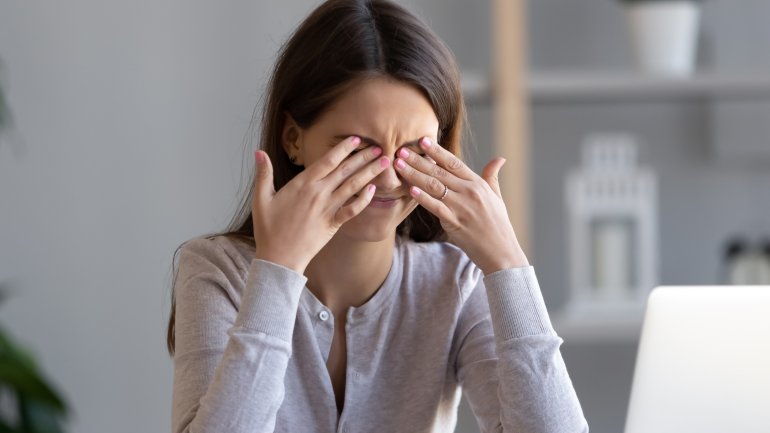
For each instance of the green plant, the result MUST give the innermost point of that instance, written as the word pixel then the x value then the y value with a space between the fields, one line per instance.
pixel 39 406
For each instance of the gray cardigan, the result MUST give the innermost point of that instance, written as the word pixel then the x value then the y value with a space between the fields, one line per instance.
pixel 252 343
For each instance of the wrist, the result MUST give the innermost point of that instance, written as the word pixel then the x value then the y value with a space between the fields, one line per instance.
pixel 515 259
pixel 296 266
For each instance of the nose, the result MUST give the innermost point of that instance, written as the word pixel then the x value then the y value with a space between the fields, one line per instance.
pixel 389 179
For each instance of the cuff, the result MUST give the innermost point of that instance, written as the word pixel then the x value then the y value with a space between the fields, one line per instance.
pixel 270 299
pixel 516 303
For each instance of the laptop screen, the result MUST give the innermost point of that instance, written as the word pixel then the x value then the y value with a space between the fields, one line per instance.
pixel 704 361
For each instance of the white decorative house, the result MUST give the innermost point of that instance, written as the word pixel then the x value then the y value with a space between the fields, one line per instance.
pixel 612 227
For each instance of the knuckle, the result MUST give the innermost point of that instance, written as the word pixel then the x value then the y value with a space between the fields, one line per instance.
pixel 346 170
pixel 454 163
pixel 435 186
pixel 438 172
pixel 476 194
pixel 356 184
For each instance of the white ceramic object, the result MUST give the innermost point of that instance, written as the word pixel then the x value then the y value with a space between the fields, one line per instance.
pixel 612 228
pixel 665 35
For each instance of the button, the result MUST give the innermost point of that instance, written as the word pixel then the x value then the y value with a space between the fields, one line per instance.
pixel 323 315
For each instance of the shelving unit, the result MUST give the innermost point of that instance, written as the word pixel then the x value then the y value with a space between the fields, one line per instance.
pixel 626 86
pixel 512 91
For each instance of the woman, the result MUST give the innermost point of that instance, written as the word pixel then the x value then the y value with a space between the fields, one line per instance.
pixel 376 275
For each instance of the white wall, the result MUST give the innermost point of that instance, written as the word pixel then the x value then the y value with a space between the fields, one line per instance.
pixel 130 119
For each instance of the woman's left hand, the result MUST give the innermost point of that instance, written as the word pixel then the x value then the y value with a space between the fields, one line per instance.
pixel 472 211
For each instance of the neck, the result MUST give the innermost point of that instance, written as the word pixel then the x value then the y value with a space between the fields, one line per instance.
pixel 347 272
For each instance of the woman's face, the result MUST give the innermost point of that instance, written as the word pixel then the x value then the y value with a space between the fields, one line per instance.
pixel 385 113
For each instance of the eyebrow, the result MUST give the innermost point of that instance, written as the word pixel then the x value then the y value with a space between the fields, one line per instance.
pixel 372 142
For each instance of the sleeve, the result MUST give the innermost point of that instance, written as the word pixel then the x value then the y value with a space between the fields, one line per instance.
pixel 508 360
pixel 231 357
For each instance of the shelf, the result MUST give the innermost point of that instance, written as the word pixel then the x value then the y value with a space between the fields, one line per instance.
pixel 619 86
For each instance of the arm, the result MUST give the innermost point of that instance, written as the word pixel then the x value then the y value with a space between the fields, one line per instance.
pixel 230 359
pixel 508 361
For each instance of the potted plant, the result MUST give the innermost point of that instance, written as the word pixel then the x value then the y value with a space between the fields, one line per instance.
pixel 664 34
pixel 38 407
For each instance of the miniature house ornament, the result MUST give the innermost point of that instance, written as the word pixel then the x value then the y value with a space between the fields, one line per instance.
pixel 612 227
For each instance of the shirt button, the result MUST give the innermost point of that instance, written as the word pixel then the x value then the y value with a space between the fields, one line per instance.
pixel 323 315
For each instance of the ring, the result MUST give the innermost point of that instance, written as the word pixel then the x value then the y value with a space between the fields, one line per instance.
pixel 446 191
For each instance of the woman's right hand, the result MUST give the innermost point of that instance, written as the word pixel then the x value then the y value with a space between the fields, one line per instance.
pixel 292 225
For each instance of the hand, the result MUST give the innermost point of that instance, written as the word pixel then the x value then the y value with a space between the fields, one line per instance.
pixel 473 213
pixel 292 225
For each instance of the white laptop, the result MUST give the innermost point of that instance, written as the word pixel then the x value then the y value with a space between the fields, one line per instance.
pixel 704 362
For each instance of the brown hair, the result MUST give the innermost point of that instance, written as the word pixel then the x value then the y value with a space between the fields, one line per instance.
pixel 341 43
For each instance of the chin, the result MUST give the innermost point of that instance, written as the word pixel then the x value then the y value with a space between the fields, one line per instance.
pixel 361 229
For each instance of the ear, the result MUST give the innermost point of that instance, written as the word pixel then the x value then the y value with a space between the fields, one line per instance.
pixel 291 139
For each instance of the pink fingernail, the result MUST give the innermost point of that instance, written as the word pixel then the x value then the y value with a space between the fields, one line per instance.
pixel 425 142
pixel 415 191
pixel 259 157
pixel 371 189
pixel 400 163
pixel 356 141
pixel 384 162
pixel 376 151
pixel 403 153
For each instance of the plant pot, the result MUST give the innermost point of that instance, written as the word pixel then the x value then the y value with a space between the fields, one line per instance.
pixel 664 34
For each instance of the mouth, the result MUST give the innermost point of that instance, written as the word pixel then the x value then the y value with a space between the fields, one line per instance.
pixel 384 202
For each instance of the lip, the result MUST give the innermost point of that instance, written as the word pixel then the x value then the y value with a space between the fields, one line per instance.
pixel 384 202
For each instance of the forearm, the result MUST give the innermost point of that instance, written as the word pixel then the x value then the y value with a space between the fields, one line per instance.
pixel 535 391
pixel 238 387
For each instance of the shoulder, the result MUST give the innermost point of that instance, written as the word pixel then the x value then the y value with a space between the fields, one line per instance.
pixel 217 254
pixel 441 263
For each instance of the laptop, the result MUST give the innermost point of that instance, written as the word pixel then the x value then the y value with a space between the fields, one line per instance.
pixel 704 361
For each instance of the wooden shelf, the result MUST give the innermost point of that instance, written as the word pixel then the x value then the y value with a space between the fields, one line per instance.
pixel 620 86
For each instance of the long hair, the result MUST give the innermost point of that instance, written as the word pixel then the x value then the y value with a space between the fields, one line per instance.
pixel 339 44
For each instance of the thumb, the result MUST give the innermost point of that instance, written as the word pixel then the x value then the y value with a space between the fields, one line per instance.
pixel 263 181
pixel 491 171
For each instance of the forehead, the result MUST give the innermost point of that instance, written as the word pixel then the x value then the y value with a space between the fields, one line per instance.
pixel 383 107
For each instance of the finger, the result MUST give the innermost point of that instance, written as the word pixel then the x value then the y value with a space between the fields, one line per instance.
pixel 263 181
pixel 491 172
pixel 332 159
pixel 433 205
pixel 355 183
pixel 425 182
pixel 427 166
pixel 355 207
pixel 352 165
pixel 446 159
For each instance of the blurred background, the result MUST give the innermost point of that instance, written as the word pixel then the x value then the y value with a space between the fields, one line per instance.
pixel 126 129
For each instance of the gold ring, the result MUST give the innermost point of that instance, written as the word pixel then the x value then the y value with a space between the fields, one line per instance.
pixel 446 191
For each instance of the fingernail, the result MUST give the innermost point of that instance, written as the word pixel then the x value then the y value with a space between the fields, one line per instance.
pixel 400 163
pixel 415 191
pixel 355 140
pixel 376 151
pixel 259 157
pixel 384 162
pixel 371 189
pixel 425 142
pixel 403 153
